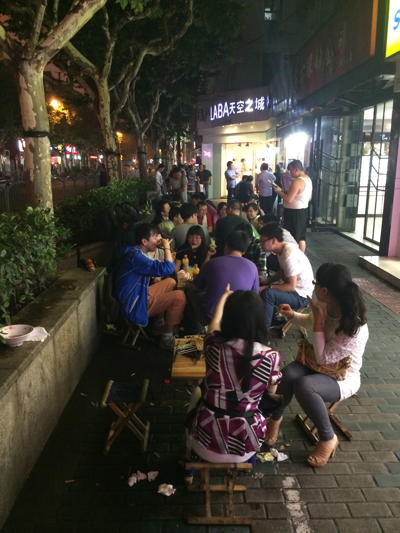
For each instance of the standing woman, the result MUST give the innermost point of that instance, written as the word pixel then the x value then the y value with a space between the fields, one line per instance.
pixel 340 333
pixel 227 425
pixel 295 202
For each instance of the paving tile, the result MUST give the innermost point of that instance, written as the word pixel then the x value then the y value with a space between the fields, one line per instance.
pixel 327 526
pixel 390 480
pixel 317 481
pixel 358 525
pixel 360 510
pixel 355 480
pixel 382 494
pixel 328 510
pixel 390 525
pixel 263 495
pixel 343 495
pixel 271 526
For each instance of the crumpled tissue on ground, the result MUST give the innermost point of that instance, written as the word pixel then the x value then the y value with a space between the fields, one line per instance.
pixel 166 489
pixel 141 476
pixel 279 456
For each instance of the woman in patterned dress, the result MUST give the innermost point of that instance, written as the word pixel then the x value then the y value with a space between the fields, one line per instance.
pixel 227 425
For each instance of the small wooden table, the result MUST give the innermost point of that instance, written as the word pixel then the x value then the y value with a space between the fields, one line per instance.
pixel 186 368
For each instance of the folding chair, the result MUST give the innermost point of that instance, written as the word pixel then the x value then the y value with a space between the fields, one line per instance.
pixel 308 425
pixel 131 335
pixel 125 399
pixel 232 470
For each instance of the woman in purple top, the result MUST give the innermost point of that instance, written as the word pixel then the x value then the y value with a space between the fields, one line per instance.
pixel 227 425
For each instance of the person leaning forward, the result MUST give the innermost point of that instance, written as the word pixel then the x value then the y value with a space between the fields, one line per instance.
pixel 138 300
pixel 295 273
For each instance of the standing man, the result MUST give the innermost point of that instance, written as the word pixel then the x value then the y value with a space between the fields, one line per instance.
pixel 204 176
pixel 231 175
pixel 160 180
pixel 264 184
pixel 295 273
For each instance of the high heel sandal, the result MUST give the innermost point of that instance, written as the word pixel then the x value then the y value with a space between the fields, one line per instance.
pixel 272 431
pixel 324 450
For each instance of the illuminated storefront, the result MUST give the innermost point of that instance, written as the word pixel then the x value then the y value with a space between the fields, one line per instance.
pixel 234 128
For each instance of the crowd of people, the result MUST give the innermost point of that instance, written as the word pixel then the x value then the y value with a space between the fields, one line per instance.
pixel 234 272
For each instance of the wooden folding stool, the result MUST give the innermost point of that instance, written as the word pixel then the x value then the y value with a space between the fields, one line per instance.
pixel 125 399
pixel 232 470
pixel 132 333
pixel 308 425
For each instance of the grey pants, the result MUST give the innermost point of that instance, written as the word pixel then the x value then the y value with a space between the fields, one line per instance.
pixel 311 390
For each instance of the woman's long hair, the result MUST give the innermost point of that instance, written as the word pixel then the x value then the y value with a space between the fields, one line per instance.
pixel 244 318
pixel 337 279
pixel 158 218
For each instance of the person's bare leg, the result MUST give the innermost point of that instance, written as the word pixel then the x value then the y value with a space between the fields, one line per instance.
pixel 302 246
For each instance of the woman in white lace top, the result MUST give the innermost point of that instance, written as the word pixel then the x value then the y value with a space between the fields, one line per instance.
pixel 340 331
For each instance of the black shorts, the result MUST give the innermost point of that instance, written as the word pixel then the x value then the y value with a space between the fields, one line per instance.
pixel 295 221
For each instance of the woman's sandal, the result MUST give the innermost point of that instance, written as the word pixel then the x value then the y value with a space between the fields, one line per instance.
pixel 324 450
pixel 272 431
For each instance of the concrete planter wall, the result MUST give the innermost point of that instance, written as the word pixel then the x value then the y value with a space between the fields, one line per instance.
pixel 38 378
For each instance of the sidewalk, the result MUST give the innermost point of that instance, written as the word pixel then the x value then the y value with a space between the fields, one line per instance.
pixel 75 489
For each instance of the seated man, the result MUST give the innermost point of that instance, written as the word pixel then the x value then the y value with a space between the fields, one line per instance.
pixel 131 287
pixel 232 222
pixel 295 272
pixel 230 268
pixel 189 216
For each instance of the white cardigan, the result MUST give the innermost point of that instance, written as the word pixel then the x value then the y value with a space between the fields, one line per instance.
pixel 330 347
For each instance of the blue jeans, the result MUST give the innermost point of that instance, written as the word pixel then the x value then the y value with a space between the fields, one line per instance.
pixel 272 298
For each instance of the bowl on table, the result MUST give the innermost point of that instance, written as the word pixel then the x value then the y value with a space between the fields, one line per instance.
pixel 14 335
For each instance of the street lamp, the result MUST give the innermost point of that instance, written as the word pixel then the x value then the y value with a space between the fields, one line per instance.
pixel 120 137
pixel 55 104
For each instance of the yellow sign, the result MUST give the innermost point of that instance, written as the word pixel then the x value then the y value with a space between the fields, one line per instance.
pixel 393 29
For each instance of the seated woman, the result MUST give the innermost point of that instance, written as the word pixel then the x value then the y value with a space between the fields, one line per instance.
pixel 244 190
pixel 195 248
pixel 340 330
pixel 161 218
pixel 221 210
pixel 253 214
pixel 204 218
pixel 227 425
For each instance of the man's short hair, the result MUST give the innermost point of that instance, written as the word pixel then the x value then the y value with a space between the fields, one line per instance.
pixel 145 231
pixel 234 204
pixel 264 166
pixel 272 230
pixel 229 163
pixel 238 241
pixel 296 163
pixel 187 211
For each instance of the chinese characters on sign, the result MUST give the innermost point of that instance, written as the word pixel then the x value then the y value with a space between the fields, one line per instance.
pixel 250 105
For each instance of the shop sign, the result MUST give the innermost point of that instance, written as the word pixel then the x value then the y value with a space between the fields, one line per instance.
pixel 237 107
pixel 393 29
pixel 347 41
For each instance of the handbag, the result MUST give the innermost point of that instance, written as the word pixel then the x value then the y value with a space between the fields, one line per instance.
pixel 306 357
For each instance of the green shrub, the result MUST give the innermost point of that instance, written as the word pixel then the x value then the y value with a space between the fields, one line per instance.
pixel 81 213
pixel 28 256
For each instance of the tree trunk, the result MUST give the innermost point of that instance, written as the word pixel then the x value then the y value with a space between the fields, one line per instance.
pixel 108 133
pixel 34 116
pixel 141 154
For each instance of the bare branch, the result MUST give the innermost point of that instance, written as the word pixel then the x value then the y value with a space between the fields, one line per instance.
pixel 83 62
pixel 37 25
pixel 155 104
pixel 59 36
pixel 55 11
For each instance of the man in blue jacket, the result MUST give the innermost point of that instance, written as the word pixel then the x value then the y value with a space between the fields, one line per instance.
pixel 137 299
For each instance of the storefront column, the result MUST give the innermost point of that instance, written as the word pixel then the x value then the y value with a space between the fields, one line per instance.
pixel 390 236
